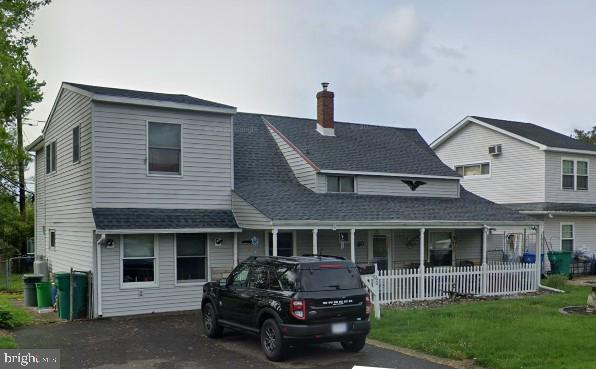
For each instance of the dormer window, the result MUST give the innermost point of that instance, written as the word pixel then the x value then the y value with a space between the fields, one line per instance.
pixel 340 184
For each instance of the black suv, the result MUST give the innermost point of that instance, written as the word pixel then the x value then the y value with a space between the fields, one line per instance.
pixel 289 299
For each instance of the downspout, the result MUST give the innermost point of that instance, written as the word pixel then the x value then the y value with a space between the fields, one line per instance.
pixel 540 239
pixel 101 240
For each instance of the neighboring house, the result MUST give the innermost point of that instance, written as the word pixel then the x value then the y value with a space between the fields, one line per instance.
pixel 156 194
pixel 537 171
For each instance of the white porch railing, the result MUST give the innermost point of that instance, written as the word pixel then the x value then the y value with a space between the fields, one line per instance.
pixel 401 285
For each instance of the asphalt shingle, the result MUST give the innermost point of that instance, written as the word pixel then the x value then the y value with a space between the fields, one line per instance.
pixel 538 134
pixel 151 218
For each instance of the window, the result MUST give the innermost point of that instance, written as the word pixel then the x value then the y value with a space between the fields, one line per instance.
pixel 139 259
pixel 51 157
pixel 574 175
pixel 191 257
pixel 468 170
pixel 283 279
pixel 76 144
pixel 165 148
pixel 259 278
pixel 567 237
pixel 239 277
pixel 52 238
pixel 440 249
pixel 340 184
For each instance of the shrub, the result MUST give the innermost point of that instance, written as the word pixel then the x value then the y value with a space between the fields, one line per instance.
pixel 556 281
pixel 7 318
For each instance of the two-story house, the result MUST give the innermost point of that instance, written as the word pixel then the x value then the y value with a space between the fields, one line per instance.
pixel 529 168
pixel 156 194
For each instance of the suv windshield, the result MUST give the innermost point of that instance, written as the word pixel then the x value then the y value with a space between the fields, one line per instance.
pixel 330 279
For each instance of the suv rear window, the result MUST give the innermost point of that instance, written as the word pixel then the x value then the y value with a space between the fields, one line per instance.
pixel 330 279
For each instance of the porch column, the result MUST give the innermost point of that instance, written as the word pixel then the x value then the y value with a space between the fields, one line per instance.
pixel 315 247
pixel 353 244
pixel 484 281
pixel 539 243
pixel 235 249
pixel 421 267
pixel 275 230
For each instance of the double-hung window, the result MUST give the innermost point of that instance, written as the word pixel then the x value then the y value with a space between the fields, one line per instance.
pixel 340 184
pixel 51 157
pixel 574 174
pixel 567 237
pixel 76 144
pixel 164 148
pixel 191 257
pixel 470 170
pixel 139 260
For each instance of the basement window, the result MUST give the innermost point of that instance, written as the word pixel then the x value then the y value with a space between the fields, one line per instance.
pixel 340 184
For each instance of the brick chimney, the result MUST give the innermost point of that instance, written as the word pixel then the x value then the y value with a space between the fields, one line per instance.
pixel 325 123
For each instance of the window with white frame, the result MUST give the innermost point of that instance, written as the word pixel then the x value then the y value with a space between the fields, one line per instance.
pixel 139 259
pixel 51 157
pixel 477 169
pixel 191 257
pixel 340 184
pixel 574 174
pixel 164 148
pixel 52 238
pixel 76 144
pixel 567 237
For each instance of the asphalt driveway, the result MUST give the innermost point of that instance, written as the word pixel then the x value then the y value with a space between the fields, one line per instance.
pixel 176 342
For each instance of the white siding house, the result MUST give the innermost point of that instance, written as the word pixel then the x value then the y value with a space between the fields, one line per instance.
pixel 528 174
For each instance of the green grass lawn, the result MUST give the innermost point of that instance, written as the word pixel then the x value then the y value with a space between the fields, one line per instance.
pixel 15 316
pixel 520 333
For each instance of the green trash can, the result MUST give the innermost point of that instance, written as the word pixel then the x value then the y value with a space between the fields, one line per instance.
pixel 44 294
pixel 29 291
pixel 560 262
pixel 80 295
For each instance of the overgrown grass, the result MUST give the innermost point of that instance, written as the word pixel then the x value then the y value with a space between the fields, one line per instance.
pixel 527 333
pixel 14 283
pixel 11 317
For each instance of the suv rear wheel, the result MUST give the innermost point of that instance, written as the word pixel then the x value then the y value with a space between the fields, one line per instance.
pixel 210 325
pixel 272 342
pixel 354 345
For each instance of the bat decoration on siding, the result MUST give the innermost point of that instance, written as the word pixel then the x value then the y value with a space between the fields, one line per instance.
pixel 413 184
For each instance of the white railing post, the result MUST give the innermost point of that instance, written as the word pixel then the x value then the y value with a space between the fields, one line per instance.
pixel 539 240
pixel 235 249
pixel 315 248
pixel 484 278
pixel 421 267
pixel 275 241
pixel 353 245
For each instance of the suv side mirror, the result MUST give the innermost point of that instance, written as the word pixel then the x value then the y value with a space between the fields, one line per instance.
pixel 223 282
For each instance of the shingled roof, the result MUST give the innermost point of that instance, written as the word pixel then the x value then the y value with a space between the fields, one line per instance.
pixel 146 95
pixel 107 219
pixel 538 134
pixel 264 179
pixel 363 148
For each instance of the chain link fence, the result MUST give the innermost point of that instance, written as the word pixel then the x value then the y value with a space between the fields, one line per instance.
pixel 12 270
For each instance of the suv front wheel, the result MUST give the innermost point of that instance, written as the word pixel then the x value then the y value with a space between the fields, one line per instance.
pixel 272 342
pixel 354 345
pixel 210 324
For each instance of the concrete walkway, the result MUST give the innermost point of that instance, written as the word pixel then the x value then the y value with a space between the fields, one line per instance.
pixel 176 341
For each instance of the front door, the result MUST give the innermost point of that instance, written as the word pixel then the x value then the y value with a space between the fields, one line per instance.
pixel 285 244
pixel 380 251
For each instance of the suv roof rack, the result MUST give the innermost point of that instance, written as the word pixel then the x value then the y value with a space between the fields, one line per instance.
pixel 324 256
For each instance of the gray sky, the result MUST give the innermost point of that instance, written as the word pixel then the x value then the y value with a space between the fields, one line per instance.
pixel 410 64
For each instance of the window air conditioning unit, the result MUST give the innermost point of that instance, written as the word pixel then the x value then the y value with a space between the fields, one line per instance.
pixel 495 150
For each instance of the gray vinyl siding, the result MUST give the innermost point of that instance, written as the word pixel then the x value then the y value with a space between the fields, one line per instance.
pixel 167 296
pixel 584 232
pixel 393 186
pixel 517 175
pixel 245 249
pixel 554 190
pixel 305 174
pixel 247 216
pixel 121 178
pixel 40 210
pixel 66 193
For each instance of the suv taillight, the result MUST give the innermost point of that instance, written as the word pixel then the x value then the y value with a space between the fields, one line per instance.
pixel 368 304
pixel 298 309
